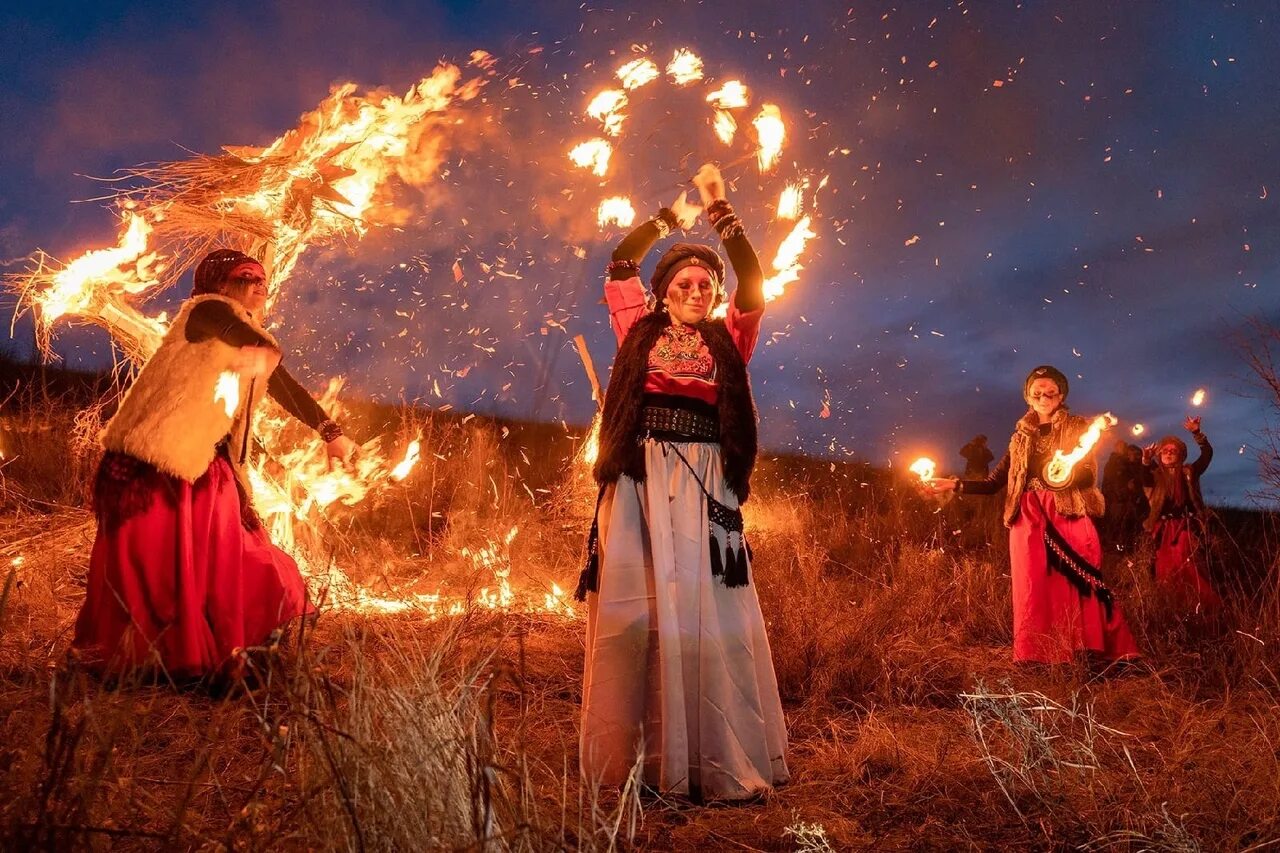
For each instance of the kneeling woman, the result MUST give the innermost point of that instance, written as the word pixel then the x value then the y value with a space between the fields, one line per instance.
pixel 182 573
pixel 1061 604
pixel 678 671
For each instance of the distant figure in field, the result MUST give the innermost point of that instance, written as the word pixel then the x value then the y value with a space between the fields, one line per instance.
pixel 1062 606
pixel 977 458
pixel 1125 500
pixel 679 676
pixel 182 573
pixel 1176 518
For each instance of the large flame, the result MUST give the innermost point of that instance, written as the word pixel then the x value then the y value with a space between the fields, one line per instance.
pixel 685 67
pixel 924 468
pixel 127 267
pixel 771 133
pixel 227 392
pixel 1057 472
pixel 616 210
pixel 786 263
pixel 593 154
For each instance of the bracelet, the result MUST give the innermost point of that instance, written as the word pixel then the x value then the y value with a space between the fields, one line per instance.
pixel 626 265
pixel 728 227
pixel 719 208
pixel 329 430
pixel 666 221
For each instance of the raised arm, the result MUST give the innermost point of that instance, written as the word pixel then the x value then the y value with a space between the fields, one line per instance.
pixel 631 251
pixel 749 293
pixel 1206 452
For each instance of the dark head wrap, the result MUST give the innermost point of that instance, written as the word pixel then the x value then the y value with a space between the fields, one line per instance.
pixel 1047 371
pixel 213 270
pixel 1176 442
pixel 683 255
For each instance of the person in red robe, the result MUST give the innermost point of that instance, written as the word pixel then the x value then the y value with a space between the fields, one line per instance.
pixel 1062 605
pixel 1176 519
pixel 182 575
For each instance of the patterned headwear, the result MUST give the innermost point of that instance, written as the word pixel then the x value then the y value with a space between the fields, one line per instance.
pixel 213 270
pixel 1047 371
pixel 1179 445
pixel 683 255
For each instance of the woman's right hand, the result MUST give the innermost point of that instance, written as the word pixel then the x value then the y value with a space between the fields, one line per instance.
pixel 257 361
pixel 710 183
pixel 685 211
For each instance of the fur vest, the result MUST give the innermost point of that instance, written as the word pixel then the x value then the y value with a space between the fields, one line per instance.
pixel 1064 434
pixel 620 450
pixel 170 418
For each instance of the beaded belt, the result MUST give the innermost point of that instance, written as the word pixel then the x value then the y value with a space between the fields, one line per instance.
pixel 679 424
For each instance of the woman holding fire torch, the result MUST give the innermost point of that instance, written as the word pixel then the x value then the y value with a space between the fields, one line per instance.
pixel 1062 606
pixel 678 675
pixel 182 575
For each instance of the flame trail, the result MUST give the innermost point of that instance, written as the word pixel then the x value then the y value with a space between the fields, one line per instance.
pixel 607 107
pixel 732 95
pixel 593 154
pixel 685 67
pixel 790 201
pixel 786 263
pixel 771 133
pixel 637 73
pixel 1057 472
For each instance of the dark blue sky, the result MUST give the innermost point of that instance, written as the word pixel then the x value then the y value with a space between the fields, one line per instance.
pixel 1111 208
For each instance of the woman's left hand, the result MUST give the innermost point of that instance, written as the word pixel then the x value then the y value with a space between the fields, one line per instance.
pixel 341 449
pixel 685 211
pixel 1192 425
pixel 710 183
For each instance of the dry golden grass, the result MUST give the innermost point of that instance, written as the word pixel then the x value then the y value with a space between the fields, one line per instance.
pixel 889 622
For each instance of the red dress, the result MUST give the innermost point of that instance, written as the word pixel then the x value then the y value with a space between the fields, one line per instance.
pixel 176 578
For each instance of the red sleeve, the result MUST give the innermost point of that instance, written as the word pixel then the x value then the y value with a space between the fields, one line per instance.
pixel 744 328
pixel 626 301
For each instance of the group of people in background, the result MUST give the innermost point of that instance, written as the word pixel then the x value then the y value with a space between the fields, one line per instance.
pixel 679 680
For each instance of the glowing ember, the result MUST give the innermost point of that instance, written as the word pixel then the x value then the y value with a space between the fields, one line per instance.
pixel 1197 399
pixel 227 391
pixel 771 132
pixel 725 126
pixel 591 447
pixel 638 72
pixel 685 67
pixel 593 154
pixel 790 200
pixel 731 96
pixel 411 456
pixel 1139 429
pixel 616 211
pixel 607 107
pixel 924 468
pixel 1057 471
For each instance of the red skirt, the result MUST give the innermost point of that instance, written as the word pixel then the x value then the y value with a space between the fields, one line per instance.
pixel 1052 620
pixel 1179 565
pixel 177 580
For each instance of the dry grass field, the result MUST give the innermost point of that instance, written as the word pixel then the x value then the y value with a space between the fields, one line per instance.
pixel 368 729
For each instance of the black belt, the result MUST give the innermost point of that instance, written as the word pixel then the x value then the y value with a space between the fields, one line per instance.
pixel 668 424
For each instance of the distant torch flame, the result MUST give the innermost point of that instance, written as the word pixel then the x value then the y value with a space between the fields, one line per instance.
pixel 924 468
pixel 790 200
pixel 1197 399
pixel 638 72
pixel 1057 472
pixel 606 108
pixel 731 96
pixel 593 154
pixel 725 126
pixel 1139 429
pixel 771 133
pixel 685 67
pixel 227 392
pixel 411 456
pixel 616 211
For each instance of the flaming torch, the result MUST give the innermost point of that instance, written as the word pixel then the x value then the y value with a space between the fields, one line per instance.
pixel 1138 429
pixel 1057 471
pixel 924 468
pixel 1197 399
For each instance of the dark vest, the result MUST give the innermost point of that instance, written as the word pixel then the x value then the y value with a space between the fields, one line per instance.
pixel 1161 493
pixel 620 450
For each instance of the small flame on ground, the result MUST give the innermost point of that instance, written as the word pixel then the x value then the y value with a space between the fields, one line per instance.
pixel 725 126
pixel 411 457
pixel 607 107
pixel 771 133
pixel 593 154
pixel 790 201
pixel 637 73
pixel 616 211
pixel 1058 470
pixel 227 392
pixel 1197 399
pixel 924 468
pixel 685 67
pixel 731 96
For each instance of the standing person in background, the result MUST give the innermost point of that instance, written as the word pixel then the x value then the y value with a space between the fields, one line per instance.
pixel 1176 520
pixel 678 673
pixel 977 458
pixel 1062 606
pixel 182 575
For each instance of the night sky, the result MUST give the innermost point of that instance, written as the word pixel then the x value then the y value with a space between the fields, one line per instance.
pixel 1086 184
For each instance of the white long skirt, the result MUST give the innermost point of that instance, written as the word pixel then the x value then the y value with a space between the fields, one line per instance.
pixel 678 671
